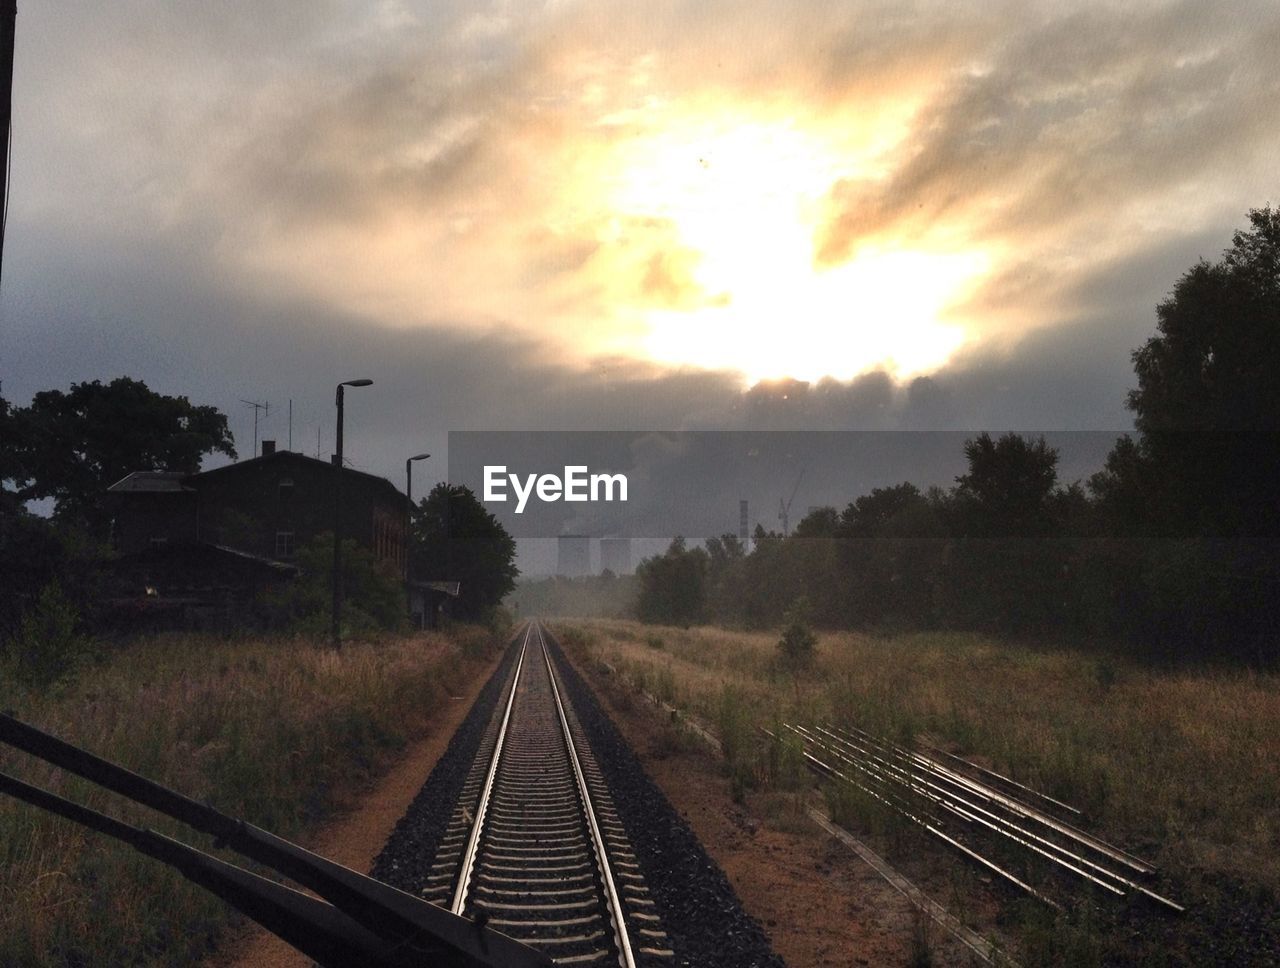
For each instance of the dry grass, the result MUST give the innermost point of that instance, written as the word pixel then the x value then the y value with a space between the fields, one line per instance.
pixel 1183 765
pixel 276 732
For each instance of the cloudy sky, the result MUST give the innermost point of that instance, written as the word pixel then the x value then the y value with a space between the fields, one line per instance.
pixel 599 215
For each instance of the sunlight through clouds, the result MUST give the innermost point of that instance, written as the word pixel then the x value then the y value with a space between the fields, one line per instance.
pixel 748 199
pixel 810 190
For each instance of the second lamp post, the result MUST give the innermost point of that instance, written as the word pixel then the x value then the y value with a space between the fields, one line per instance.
pixel 337 517
pixel 408 523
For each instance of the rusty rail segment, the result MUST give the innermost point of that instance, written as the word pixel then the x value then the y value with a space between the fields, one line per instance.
pixel 359 921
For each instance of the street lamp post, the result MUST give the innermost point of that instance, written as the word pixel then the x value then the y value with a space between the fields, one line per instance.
pixel 408 522
pixel 408 526
pixel 336 629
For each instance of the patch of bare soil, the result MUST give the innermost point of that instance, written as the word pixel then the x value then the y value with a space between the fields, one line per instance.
pixel 819 904
pixel 355 838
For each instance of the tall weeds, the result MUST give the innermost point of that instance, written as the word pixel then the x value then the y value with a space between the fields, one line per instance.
pixel 276 732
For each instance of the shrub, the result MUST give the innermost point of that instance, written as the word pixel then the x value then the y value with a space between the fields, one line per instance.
pixel 798 641
pixel 46 646
pixel 373 598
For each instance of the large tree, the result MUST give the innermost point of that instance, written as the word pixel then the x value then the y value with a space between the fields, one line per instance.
pixel 673 586
pixel 11 473
pixel 1008 488
pixel 1207 404
pixel 889 544
pixel 453 538
pixel 72 446
pixel 1198 485
pixel 1005 559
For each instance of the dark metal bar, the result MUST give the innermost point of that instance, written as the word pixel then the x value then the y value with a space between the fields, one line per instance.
pixel 8 25
pixel 315 928
pixel 381 908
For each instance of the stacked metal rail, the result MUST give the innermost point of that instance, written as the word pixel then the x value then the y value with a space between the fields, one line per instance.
pixel 535 848
pixel 976 811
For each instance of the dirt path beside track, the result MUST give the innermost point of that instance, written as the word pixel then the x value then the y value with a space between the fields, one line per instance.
pixel 355 838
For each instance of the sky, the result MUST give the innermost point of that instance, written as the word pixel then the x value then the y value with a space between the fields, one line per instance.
pixel 604 215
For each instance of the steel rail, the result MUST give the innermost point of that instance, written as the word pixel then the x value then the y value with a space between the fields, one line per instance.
pixel 1005 779
pixel 1009 828
pixel 868 756
pixel 975 813
pixel 467 867
pixel 998 824
pixel 929 825
pixel 890 789
pixel 1025 810
pixel 621 936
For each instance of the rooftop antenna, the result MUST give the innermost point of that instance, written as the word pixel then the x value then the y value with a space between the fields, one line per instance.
pixel 290 423
pixel 784 508
pixel 265 410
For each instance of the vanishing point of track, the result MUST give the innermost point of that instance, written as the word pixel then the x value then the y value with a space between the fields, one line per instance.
pixel 534 846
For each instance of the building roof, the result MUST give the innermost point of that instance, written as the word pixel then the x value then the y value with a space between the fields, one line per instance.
pixel 151 482
pixel 289 456
pixel 451 588
pixel 189 551
pixel 280 566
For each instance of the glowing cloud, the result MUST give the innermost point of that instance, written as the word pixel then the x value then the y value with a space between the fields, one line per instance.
pixel 749 199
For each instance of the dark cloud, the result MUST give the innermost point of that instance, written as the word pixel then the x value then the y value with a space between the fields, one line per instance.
pixel 171 158
pixel 1064 117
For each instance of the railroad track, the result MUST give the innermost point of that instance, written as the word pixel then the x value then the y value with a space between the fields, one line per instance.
pixel 534 846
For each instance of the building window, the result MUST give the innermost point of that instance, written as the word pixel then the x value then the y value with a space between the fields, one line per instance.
pixel 284 544
pixel 286 488
pixel 159 542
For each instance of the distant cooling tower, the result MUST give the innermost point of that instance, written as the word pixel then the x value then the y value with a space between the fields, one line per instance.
pixel 575 555
pixel 615 555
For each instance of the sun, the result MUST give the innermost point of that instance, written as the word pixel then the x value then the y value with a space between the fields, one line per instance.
pixel 748 200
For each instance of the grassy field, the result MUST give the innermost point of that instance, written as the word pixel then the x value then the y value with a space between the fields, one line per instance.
pixel 279 733
pixel 1182 766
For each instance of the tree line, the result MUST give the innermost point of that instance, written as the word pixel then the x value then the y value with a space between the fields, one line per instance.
pixel 1174 545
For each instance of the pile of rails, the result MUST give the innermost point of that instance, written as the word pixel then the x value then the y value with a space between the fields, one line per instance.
pixel 993 820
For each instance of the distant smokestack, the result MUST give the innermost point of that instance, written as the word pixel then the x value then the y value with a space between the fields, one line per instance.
pixel 268 448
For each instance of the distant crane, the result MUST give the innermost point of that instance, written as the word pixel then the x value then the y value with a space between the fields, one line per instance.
pixel 784 507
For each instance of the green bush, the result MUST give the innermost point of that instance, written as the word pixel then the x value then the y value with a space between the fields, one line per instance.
pixel 798 641
pixel 372 594
pixel 46 646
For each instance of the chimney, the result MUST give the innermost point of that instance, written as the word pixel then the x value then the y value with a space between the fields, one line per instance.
pixel 333 459
pixel 268 448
